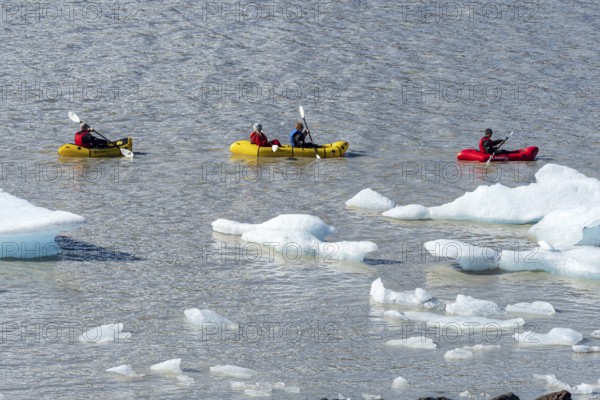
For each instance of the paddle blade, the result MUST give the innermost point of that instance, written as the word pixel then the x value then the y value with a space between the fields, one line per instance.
pixel 301 112
pixel 73 117
pixel 126 153
pixel 275 148
pixel 318 156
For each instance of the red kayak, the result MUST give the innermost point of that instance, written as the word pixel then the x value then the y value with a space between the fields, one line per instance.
pixel 526 154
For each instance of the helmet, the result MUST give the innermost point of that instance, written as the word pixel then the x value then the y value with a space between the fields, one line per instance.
pixel 84 126
pixel 257 127
pixel 488 131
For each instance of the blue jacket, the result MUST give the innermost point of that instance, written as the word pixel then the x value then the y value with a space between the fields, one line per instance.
pixel 297 138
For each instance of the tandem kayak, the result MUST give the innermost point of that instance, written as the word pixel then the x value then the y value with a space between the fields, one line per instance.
pixel 244 147
pixel 526 154
pixel 72 150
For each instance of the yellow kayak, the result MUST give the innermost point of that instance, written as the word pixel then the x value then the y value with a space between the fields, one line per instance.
pixel 335 149
pixel 72 150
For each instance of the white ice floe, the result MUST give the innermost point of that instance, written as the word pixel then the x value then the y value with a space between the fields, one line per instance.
pixel 410 212
pixel 369 199
pixel 556 384
pixel 458 354
pixel 400 383
pixel 595 334
pixel 418 298
pixel 28 231
pixel 124 370
pixel 415 342
pixel 168 367
pixel 463 323
pixel 232 371
pixel 292 222
pixel 467 305
pixel 185 380
pixel 578 226
pixel 556 188
pixel 466 394
pixel 580 348
pixel 105 334
pixel 293 245
pixel 208 319
pixel 580 262
pixel 556 337
pixel 537 308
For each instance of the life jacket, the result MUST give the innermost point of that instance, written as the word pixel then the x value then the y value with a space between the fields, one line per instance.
pixel 259 138
pixel 481 144
pixel 296 141
pixel 82 138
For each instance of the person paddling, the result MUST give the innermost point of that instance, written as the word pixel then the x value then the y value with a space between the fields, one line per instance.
pixel 84 138
pixel 298 137
pixel 258 138
pixel 489 146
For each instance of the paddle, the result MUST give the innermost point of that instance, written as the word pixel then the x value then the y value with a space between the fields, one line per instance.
pixel 500 145
pixel 73 117
pixel 308 130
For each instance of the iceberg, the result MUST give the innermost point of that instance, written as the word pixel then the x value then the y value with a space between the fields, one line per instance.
pixel 28 231
pixel 418 298
pixel 415 342
pixel 202 318
pixel 578 226
pixel 556 337
pixel 232 371
pixel 295 236
pixel 124 370
pixel 537 307
pixel 400 383
pixel 580 348
pixel 168 367
pixel 556 188
pixel 105 334
pixel 470 324
pixel 369 199
pixel 458 354
pixel 467 305
pixel 583 388
pixel 578 262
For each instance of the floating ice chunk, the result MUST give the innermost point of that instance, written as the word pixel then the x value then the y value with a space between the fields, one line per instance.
pixel 537 307
pixel 204 318
pixel 469 257
pixel 458 354
pixel 546 246
pixel 369 199
pixel 575 226
pixel 185 380
pixel 294 222
pixel 410 212
pixel 238 386
pixel 556 188
pixel 124 370
pixel 256 393
pixel 467 305
pixel 556 337
pixel 583 388
pixel 464 323
pixel 580 348
pixel 28 231
pixel 400 383
pixel 418 298
pixel 232 371
pixel 105 334
pixel 415 342
pixel 168 367
pixel 595 334
pixel 466 394
pixel 293 244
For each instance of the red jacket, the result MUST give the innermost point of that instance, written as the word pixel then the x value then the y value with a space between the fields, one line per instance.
pixel 82 138
pixel 259 139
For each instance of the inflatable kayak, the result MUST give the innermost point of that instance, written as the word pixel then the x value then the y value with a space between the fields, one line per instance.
pixel 526 154
pixel 72 150
pixel 335 149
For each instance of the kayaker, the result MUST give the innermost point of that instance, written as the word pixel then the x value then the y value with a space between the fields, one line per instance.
pixel 84 138
pixel 489 146
pixel 298 137
pixel 258 138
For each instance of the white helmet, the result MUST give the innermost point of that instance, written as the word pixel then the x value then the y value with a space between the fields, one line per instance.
pixel 257 127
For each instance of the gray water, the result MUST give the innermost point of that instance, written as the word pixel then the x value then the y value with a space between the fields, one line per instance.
pixel 408 90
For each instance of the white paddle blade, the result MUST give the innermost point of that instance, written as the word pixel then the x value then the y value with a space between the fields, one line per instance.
pixel 73 117
pixel 318 156
pixel 275 148
pixel 126 153
pixel 301 112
